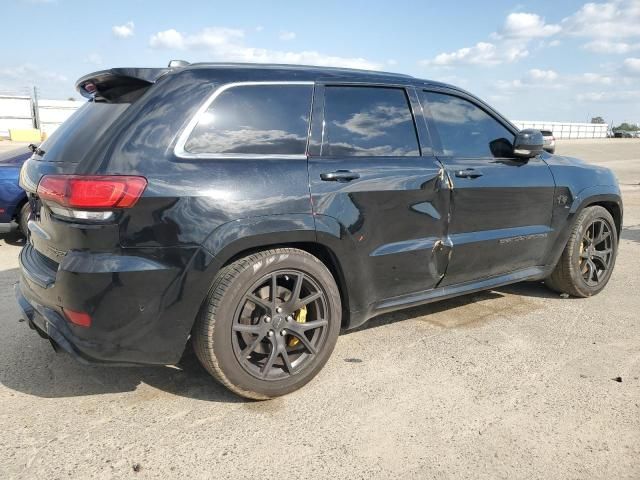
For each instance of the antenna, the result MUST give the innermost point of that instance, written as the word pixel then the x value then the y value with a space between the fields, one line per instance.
pixel 178 63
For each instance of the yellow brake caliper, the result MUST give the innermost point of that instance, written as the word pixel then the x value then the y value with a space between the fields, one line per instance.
pixel 301 317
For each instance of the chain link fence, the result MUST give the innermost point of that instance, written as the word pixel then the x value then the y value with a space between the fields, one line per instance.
pixel 19 111
pixel 567 129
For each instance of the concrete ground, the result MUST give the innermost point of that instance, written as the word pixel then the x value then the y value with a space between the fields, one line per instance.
pixel 512 383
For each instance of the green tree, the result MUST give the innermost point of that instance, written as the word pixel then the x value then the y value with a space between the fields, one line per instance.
pixel 599 120
pixel 627 127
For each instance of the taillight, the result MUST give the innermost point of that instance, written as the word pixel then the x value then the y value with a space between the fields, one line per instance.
pixel 92 192
pixel 81 319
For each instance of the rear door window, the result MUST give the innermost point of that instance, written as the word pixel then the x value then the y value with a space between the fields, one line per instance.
pixel 368 121
pixel 465 130
pixel 267 119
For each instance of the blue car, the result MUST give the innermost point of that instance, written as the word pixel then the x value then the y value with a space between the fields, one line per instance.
pixel 14 208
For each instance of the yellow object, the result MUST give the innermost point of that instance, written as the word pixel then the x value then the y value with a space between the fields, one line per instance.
pixel 301 317
pixel 25 135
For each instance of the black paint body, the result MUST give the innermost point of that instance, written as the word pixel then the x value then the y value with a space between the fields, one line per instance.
pixel 407 231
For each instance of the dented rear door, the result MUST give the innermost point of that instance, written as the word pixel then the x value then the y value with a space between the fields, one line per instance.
pixel 372 172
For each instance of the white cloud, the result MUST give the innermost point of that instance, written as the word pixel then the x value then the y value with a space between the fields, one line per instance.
pixel 19 79
pixel 28 73
pixel 259 28
pixel 608 96
pixel 210 38
pixel 595 78
pixel 123 31
pixel 606 46
pixel 226 44
pixel 287 36
pixel 527 25
pixel 613 27
pixel 552 79
pixel 613 19
pixel 507 45
pixel 632 66
pixel 482 53
pixel 542 75
pixel 170 39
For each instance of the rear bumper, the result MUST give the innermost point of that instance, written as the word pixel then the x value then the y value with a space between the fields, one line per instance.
pixel 8 227
pixel 141 309
pixel 49 324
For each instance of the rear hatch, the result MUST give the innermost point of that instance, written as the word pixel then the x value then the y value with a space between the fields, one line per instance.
pixel 79 209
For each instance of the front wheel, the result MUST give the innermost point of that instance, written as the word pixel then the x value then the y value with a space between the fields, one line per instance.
pixel 270 323
pixel 588 259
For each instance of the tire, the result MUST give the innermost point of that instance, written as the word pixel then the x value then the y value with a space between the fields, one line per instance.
pixel 573 274
pixel 241 310
pixel 23 219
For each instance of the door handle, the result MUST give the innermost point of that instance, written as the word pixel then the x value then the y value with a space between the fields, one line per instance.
pixel 339 176
pixel 468 173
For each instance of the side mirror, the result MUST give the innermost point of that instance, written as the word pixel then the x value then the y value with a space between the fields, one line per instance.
pixel 528 144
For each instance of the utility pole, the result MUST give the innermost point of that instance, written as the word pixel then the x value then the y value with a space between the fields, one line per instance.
pixel 36 108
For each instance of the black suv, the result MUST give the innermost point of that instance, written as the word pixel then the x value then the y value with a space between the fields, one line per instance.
pixel 259 209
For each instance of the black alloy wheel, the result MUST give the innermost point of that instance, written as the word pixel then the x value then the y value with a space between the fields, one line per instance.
pixel 596 251
pixel 588 259
pixel 280 324
pixel 270 322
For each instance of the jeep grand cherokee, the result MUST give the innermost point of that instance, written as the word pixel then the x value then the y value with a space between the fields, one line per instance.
pixel 260 209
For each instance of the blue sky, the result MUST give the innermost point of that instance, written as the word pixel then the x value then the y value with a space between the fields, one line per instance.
pixel 543 60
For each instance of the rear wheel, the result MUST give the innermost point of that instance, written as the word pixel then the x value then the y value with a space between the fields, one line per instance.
pixel 270 323
pixel 588 259
pixel 23 219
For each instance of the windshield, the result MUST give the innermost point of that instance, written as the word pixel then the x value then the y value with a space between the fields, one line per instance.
pixel 78 134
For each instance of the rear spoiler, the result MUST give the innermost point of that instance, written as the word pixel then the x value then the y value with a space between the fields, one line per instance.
pixel 118 84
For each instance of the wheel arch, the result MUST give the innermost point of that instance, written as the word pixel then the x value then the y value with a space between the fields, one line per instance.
pixel 607 197
pixel 238 239
pixel 318 250
pixel 614 209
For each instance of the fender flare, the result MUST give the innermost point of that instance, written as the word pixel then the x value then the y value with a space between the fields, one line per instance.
pixel 584 198
pixel 594 194
pixel 231 238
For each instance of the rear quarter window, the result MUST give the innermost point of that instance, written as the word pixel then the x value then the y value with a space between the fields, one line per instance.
pixel 254 120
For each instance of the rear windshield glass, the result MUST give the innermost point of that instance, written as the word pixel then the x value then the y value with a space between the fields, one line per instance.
pixel 77 135
pixel 546 133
